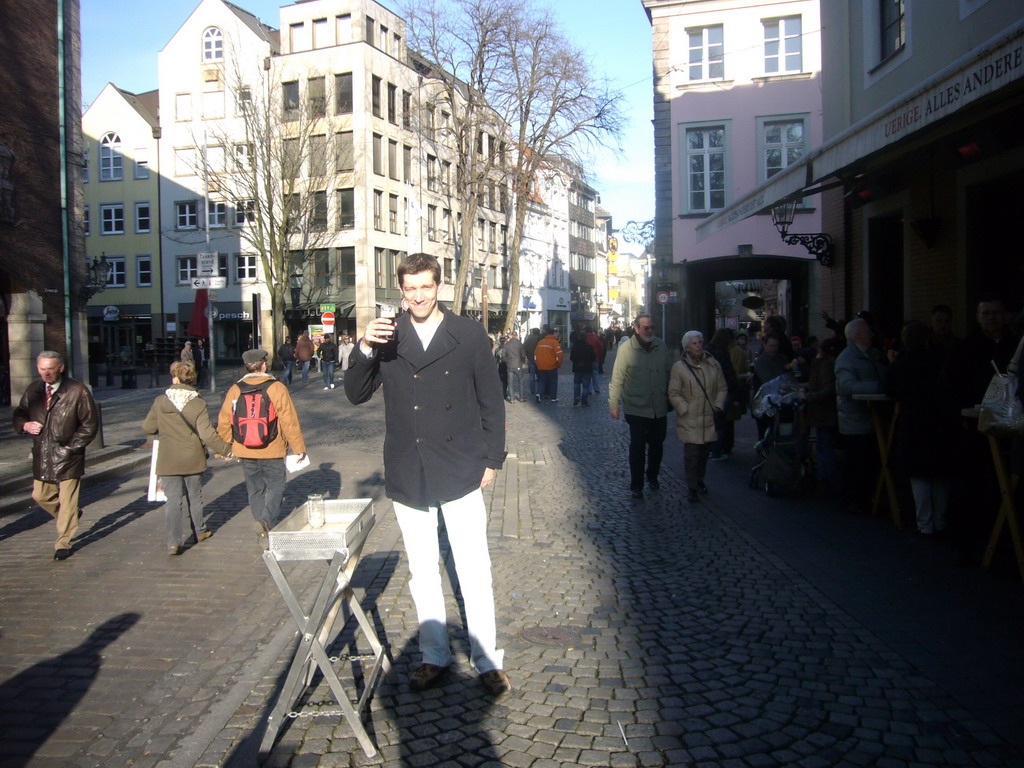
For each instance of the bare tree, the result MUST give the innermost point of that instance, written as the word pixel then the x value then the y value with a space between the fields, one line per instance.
pixel 463 46
pixel 558 109
pixel 273 176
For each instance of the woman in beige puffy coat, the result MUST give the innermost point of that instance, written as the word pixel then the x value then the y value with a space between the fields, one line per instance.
pixel 179 417
pixel 697 391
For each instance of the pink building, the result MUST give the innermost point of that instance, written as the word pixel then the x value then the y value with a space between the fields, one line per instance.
pixel 737 101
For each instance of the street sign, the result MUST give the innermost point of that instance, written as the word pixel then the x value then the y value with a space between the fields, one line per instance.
pixel 211 312
pixel 198 283
pixel 207 264
pixel 327 318
pixel 327 307
pixel 663 297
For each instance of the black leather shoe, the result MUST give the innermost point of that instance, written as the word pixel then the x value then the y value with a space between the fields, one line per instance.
pixel 62 554
pixel 702 488
pixel 654 485
pixel 692 496
pixel 637 493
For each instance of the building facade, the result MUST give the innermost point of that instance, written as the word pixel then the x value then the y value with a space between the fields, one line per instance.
pixel 737 101
pixel 920 171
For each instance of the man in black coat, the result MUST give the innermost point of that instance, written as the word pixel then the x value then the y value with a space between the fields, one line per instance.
pixel 61 416
pixel 444 441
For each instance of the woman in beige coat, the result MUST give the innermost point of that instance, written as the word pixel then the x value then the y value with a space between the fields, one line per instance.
pixel 697 391
pixel 179 417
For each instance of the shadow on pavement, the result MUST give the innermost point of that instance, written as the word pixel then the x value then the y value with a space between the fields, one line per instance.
pixel 26 522
pixel 34 703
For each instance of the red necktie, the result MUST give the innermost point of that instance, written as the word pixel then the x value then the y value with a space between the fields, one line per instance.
pixel 49 394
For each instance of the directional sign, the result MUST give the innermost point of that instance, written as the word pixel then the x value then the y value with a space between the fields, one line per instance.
pixel 327 318
pixel 207 263
pixel 327 307
pixel 198 283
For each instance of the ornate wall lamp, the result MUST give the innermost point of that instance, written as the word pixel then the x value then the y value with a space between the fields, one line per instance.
pixel 99 276
pixel 819 243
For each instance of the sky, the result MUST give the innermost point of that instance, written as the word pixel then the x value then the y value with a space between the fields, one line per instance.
pixel 120 41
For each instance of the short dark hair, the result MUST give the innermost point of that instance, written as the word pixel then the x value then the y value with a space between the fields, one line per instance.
pixel 415 263
pixel 641 316
pixel 943 308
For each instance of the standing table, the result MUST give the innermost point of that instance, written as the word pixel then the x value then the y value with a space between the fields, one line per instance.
pixel 340 542
pixel 1007 516
pixel 884 437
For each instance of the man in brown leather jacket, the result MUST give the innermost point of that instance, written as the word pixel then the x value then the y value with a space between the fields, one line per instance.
pixel 61 416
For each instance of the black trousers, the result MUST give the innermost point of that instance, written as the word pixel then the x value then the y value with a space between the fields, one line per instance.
pixel 646 442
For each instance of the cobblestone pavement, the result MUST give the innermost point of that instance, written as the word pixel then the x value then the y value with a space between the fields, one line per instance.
pixel 741 631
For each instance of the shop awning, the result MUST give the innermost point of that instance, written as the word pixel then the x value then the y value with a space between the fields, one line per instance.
pixel 984 70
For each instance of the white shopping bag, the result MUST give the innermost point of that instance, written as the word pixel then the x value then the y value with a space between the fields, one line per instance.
pixel 156 491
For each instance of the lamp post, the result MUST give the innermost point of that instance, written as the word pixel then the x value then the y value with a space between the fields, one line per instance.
pixel 99 275
pixel 819 244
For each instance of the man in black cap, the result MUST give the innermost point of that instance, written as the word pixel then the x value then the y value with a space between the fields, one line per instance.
pixel 263 464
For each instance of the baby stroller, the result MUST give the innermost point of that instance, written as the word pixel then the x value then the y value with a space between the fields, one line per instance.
pixel 782 450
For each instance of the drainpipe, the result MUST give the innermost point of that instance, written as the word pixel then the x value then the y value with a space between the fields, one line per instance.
pixel 62 132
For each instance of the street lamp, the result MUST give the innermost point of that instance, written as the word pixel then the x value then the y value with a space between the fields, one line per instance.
pixel 99 275
pixel 819 244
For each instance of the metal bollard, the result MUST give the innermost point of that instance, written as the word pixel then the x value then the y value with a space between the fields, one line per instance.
pixel 99 442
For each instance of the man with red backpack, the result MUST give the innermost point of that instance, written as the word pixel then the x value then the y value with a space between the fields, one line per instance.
pixel 259 419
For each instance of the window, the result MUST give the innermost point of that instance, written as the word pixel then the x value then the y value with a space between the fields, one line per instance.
pixel 213 44
pixel 320 33
pixel 112 219
pixel 393 103
pixel 243 156
pixel 141 163
pixel 290 100
pixel 446 173
pixel 188 269
pixel 892 19
pixel 783 45
pixel 186 214
pixel 142 217
pixel 378 210
pixel 183 107
pixel 245 212
pixel 143 270
pixel 783 145
pixel 705 163
pixel 318 212
pixel 111 160
pixel 393 213
pixel 185 161
pixel 378 154
pixel 343 93
pixel 85 166
pixel 291 162
pixel 86 225
pixel 293 212
pixel 432 173
pixel 446 225
pixel 346 208
pixel 707 53
pixel 317 94
pixel 369 31
pixel 383 44
pixel 393 160
pixel 407 163
pixel 432 222
pixel 296 37
pixel 345 151
pixel 213 105
pixel 118 277
pixel 379 267
pixel 318 155
pixel 347 259
pixel 406 109
pixel 215 160
pixel 216 213
pixel 245 267
pixel 243 100
pixel 343 28
pixel 375 84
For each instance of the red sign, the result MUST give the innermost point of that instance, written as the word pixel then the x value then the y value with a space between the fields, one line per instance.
pixel 327 318
pixel 663 297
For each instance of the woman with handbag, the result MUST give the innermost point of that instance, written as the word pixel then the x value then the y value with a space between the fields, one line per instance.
pixel 180 419
pixel 697 391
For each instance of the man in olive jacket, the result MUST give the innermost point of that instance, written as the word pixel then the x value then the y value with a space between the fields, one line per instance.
pixel 62 418
pixel 444 441
pixel 264 467
pixel 640 380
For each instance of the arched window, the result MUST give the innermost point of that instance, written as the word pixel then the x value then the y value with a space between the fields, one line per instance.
pixel 213 44
pixel 111 160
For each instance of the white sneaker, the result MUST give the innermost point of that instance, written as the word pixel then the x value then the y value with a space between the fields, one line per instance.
pixel 332 386
pixel 326 388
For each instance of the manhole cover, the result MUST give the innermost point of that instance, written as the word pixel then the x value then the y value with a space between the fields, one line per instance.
pixel 553 636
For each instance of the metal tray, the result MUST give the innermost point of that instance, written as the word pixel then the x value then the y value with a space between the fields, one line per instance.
pixel 348 522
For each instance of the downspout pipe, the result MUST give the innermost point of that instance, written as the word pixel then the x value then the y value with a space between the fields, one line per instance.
pixel 63 154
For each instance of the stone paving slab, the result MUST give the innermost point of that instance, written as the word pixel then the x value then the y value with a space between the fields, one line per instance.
pixel 637 634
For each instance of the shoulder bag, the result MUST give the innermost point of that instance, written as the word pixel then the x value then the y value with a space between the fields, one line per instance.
pixel 1001 413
